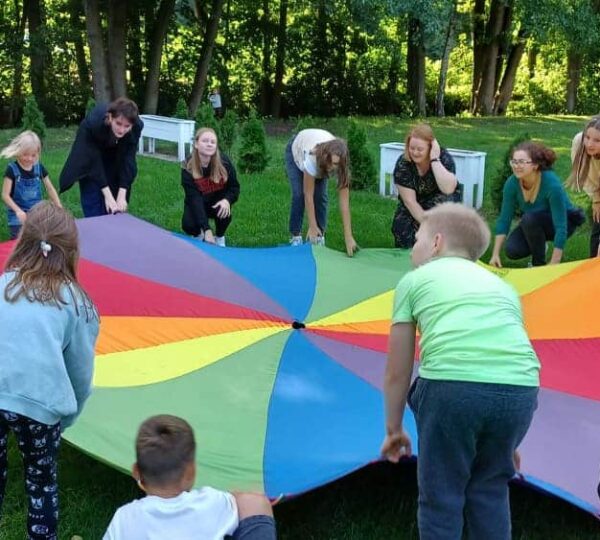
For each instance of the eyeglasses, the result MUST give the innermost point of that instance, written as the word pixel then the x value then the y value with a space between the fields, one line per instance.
pixel 519 162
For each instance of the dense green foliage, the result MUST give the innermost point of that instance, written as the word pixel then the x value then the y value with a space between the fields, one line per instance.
pixel 181 110
pixel 206 118
pixel 228 129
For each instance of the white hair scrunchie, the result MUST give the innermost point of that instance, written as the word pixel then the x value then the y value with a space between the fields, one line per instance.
pixel 46 248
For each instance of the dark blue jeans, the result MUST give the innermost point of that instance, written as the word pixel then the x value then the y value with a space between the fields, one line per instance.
pixel 468 433
pixel 534 230
pixel 38 444
pixel 256 528
pixel 92 199
pixel 296 178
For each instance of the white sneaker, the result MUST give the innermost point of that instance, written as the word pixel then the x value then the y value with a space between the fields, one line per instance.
pixel 319 241
pixel 220 241
pixel 296 241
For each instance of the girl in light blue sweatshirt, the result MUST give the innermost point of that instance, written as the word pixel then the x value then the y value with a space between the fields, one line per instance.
pixel 48 330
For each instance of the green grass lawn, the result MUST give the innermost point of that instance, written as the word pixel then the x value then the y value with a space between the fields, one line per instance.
pixel 380 501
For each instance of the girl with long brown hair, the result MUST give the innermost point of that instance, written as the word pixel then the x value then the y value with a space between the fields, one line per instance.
pixel 311 156
pixel 585 174
pixel 48 330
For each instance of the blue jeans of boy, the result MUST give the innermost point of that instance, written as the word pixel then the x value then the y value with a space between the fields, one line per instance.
pixel 296 178
pixel 468 433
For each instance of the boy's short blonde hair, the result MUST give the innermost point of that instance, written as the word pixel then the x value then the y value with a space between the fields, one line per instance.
pixel 464 231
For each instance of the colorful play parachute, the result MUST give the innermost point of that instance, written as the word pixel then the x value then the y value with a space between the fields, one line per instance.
pixel 276 357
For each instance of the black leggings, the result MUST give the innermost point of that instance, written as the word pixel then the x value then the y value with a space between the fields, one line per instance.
pixel 534 230
pixel 190 225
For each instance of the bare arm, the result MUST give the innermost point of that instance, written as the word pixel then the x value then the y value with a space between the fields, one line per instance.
pixel 409 199
pixel 8 200
pixel 398 374
pixel 52 194
pixel 445 179
pixel 495 258
pixel 344 196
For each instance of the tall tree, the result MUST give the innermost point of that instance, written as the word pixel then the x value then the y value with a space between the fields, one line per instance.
pixel 38 51
pixel 279 59
pixel 77 29
pixel 203 63
pixel 159 31
pixel 100 73
pixel 117 45
pixel 415 63
pixel 20 18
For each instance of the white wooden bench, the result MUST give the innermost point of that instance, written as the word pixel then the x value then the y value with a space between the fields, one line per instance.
pixel 470 171
pixel 167 129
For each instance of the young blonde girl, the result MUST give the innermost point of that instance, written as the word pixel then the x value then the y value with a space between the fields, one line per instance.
pixel 585 174
pixel 310 157
pixel 23 179
pixel 211 187
pixel 48 330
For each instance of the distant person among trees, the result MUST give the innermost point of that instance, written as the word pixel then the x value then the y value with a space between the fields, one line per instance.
pixel 585 174
pixel 165 469
pixel 425 177
pixel 102 158
pixel 211 188
pixel 216 102
pixel 548 215
pixel 311 156
pixel 23 179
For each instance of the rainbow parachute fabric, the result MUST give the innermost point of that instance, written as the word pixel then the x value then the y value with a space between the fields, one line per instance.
pixel 276 358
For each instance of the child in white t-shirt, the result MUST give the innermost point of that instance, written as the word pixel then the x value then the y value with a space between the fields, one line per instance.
pixel 166 470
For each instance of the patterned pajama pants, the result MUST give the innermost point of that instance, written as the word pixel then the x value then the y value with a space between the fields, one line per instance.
pixel 38 444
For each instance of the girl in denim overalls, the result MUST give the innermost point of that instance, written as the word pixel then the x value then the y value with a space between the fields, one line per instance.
pixel 23 178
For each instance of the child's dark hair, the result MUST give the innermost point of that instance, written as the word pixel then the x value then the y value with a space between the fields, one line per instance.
pixel 45 259
pixel 323 153
pixel 540 155
pixel 164 447
pixel 123 107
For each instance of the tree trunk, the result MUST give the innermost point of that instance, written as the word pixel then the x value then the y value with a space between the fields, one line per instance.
pixel 484 98
pixel 279 60
pixel 117 47
pixel 265 82
pixel 415 62
pixel 37 52
pixel 574 61
pixel 203 64
pixel 161 25
pixel 100 76
pixel 478 35
pixel 17 88
pixel 77 29
pixel 441 89
pixel 510 74
pixel 532 60
pixel 136 42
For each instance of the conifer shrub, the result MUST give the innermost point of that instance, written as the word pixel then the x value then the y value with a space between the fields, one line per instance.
pixel 228 128
pixel 361 161
pixel 181 110
pixel 253 155
pixel 33 118
pixel 205 117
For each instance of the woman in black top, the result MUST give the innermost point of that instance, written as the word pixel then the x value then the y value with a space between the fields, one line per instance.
pixel 424 176
pixel 102 158
pixel 211 187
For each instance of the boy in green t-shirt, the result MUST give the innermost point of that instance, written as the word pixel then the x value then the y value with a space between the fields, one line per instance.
pixel 477 388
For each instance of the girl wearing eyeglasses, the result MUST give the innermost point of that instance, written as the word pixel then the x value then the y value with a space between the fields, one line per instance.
pixel 548 215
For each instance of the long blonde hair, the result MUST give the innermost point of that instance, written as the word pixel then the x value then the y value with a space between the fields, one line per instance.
pixel 45 259
pixel 218 172
pixel 581 164
pixel 24 141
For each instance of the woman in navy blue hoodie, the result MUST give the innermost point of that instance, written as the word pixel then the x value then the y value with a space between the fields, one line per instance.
pixel 102 158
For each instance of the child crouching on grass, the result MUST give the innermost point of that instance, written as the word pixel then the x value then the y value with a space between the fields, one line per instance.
pixel 166 469
pixel 478 379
